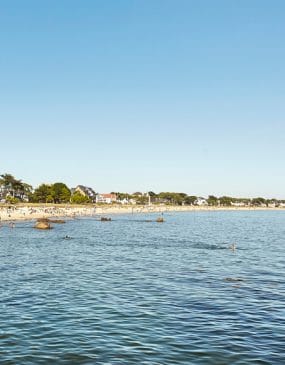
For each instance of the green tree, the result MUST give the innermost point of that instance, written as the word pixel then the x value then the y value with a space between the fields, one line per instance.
pixel 14 187
pixel 165 197
pixel 172 198
pixel 43 194
pixel 141 200
pixel 60 193
pixel 8 180
pixel 226 200
pixel 212 200
pixel 122 196
pixel 190 200
pixel 12 200
pixel 78 198
pixel 258 201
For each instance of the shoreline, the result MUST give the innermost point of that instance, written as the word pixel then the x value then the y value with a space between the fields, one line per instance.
pixel 32 212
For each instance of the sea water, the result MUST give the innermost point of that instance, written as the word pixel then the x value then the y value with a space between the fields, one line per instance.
pixel 132 291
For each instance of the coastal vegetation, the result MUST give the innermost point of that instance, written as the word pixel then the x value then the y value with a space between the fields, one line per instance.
pixel 13 190
pixel 54 193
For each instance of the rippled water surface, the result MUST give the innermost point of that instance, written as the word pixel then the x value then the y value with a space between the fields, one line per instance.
pixel 136 292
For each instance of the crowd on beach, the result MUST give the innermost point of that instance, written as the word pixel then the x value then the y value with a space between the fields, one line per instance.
pixel 15 213
pixel 18 212
pixel 12 213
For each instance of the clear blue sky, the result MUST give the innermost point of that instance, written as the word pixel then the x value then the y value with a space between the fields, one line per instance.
pixel 127 95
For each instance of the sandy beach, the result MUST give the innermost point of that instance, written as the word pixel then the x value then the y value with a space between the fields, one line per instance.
pixel 30 212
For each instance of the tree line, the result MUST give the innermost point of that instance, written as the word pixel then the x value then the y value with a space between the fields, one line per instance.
pixel 13 190
pixel 173 198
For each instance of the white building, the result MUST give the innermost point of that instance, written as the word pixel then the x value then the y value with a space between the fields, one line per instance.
pixel 106 198
pixel 201 201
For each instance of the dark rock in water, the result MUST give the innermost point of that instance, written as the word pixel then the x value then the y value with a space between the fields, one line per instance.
pixel 105 219
pixel 57 221
pixel 48 220
pixel 42 220
pixel 233 279
pixel 42 225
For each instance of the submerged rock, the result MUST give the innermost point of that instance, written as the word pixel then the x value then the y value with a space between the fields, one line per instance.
pixel 45 220
pixel 160 220
pixel 233 279
pixel 57 221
